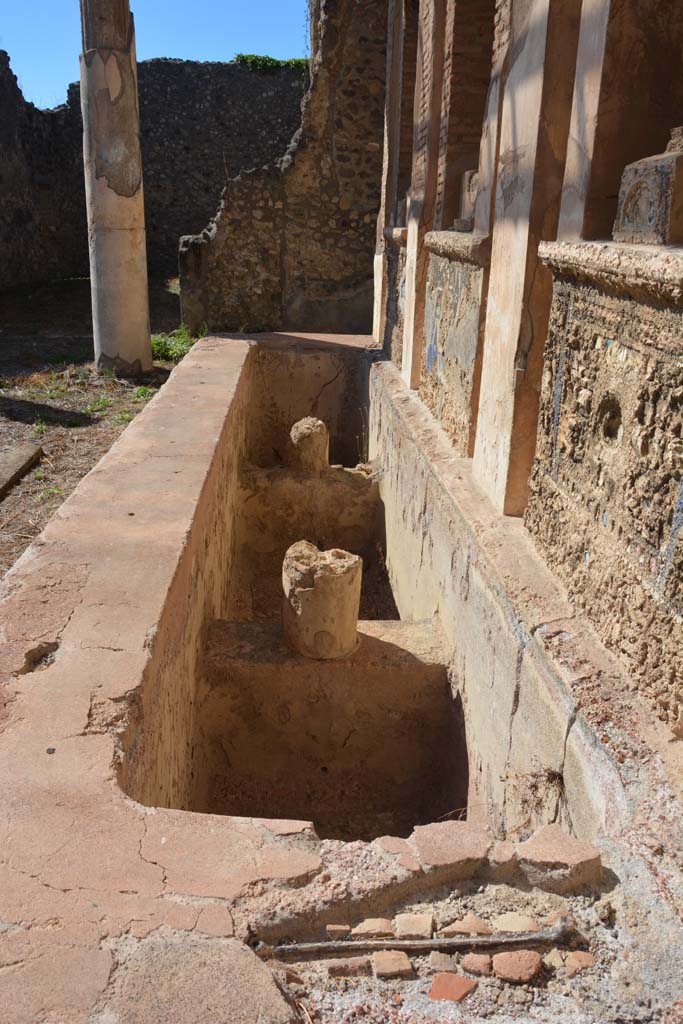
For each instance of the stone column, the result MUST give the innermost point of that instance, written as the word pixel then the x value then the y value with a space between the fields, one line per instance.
pixel 422 193
pixel 533 142
pixel 113 188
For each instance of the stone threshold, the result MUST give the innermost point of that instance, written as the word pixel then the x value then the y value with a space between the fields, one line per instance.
pixel 638 271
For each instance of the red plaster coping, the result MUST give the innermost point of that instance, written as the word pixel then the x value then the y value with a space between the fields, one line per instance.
pixel 637 271
pixel 460 246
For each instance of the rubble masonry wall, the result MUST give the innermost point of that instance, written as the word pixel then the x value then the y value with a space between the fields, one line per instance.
pixel 193 118
pixel 292 244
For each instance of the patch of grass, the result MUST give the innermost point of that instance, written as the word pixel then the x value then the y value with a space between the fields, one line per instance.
pixel 171 348
pixel 39 428
pixel 125 417
pixel 97 405
pixel 39 475
pixel 142 394
pixel 258 62
pixel 50 492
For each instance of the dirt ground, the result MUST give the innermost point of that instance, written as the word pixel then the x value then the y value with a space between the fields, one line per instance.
pixel 50 395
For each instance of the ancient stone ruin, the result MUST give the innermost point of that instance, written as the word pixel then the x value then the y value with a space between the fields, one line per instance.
pixel 348 686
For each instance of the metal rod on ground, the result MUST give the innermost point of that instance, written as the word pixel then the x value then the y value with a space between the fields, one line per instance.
pixel 564 930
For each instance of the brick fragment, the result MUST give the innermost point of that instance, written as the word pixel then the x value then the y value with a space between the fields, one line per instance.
pixel 451 987
pixel 554 860
pixel 514 922
pixel 554 959
pixel 374 928
pixel 578 961
pixel 338 931
pixel 518 967
pixel 349 967
pixel 392 964
pixel 414 926
pixel 470 924
pixel 503 860
pixel 476 963
pixel 454 845
pixel 401 849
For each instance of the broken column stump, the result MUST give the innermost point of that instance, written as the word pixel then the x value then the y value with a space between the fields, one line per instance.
pixel 310 445
pixel 321 602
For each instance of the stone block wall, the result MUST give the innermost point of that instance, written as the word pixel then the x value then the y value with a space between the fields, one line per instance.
pixel 306 223
pixel 193 117
pixel 559 374
pixel 606 497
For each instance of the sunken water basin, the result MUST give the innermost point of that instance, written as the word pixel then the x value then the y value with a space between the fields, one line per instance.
pixel 230 721
pixel 363 746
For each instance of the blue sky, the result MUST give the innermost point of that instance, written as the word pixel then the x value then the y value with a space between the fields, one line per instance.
pixel 43 37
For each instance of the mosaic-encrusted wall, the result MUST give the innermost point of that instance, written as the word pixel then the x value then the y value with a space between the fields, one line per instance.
pixel 606 495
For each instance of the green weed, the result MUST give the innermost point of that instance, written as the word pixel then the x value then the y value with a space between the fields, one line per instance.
pixel 171 348
pixel 49 492
pixel 97 405
pixel 142 394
